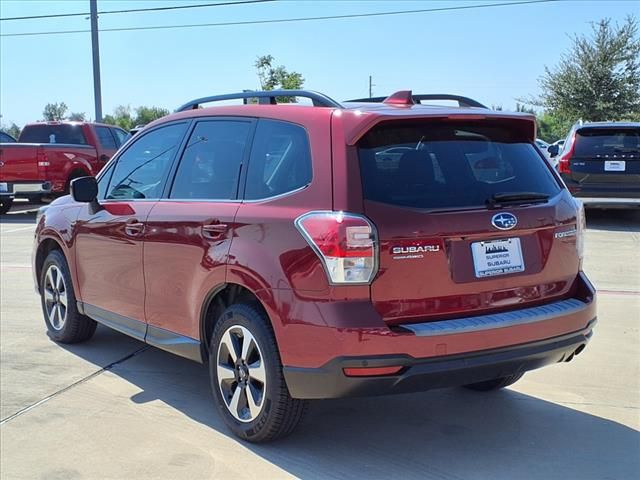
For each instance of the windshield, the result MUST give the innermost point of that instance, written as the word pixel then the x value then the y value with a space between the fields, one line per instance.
pixel 454 166
pixel 594 141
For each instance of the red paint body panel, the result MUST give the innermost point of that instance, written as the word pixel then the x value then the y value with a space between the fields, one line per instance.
pixel 182 261
pixel 109 260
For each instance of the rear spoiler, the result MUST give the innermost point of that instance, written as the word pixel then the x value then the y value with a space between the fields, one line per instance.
pixel 525 124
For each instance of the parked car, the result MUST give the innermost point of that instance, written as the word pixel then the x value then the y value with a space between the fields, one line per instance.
pixel 600 164
pixel 6 138
pixel 324 251
pixel 48 155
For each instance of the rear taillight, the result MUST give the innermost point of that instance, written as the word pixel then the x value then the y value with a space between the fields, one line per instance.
pixel 564 164
pixel 346 244
pixel 41 157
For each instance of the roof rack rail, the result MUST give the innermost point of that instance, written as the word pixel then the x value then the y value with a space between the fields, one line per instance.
pixel 264 98
pixel 462 101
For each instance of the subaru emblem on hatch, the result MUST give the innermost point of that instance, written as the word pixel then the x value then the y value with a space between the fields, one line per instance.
pixel 504 221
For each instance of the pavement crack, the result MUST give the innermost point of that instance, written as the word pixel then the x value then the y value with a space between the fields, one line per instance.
pixel 108 367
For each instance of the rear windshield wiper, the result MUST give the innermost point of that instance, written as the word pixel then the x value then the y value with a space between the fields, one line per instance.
pixel 504 198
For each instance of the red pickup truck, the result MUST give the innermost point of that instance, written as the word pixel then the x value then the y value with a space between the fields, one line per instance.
pixel 48 155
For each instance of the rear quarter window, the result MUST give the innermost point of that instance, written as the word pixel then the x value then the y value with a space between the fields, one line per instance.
pixel 435 166
pixel 280 160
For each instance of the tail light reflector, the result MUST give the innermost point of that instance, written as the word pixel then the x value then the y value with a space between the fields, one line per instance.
pixel 370 371
pixel 345 243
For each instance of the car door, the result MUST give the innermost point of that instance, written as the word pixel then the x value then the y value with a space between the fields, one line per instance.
pixel 109 241
pixel 189 232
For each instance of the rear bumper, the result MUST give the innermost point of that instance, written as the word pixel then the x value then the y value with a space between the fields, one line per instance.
pixel 446 353
pixel 25 189
pixel 604 195
pixel 426 374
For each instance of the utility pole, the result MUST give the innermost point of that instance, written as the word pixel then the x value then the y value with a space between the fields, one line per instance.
pixel 97 91
pixel 371 85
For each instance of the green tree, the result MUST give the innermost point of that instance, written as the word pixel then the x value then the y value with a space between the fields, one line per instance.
pixel 553 127
pixel 13 130
pixel 121 117
pixel 273 78
pixel 599 78
pixel 145 115
pixel 77 117
pixel 54 111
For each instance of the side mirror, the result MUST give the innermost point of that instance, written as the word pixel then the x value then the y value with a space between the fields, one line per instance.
pixel 84 189
pixel 553 150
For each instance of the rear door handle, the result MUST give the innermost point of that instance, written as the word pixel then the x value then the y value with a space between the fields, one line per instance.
pixel 214 231
pixel 133 228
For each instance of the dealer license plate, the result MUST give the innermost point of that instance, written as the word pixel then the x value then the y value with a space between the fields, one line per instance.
pixel 614 166
pixel 497 257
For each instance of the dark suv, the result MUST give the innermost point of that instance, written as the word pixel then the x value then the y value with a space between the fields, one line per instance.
pixel 331 250
pixel 600 164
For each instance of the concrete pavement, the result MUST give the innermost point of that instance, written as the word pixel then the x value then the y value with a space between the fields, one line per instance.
pixel 149 414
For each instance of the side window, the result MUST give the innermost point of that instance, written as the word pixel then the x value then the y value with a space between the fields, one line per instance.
pixel 106 138
pixel 280 160
pixel 141 170
pixel 210 165
pixel 121 136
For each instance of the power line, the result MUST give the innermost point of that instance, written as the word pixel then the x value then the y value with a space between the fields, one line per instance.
pixel 284 20
pixel 135 10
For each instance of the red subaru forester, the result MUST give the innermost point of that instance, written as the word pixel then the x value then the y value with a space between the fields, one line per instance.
pixel 321 251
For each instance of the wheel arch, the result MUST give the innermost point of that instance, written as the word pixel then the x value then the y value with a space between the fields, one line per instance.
pixel 217 300
pixel 46 246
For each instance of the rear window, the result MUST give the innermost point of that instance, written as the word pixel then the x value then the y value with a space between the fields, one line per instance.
pixel 600 141
pixel 437 166
pixel 68 134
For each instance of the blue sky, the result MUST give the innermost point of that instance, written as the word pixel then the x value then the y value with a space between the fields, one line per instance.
pixel 494 55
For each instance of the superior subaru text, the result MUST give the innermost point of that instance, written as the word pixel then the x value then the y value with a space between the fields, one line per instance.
pixel 330 250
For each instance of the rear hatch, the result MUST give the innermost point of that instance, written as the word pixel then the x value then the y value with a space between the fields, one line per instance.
pixel 470 219
pixel 607 156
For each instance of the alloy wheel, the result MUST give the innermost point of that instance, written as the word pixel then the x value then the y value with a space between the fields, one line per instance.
pixel 55 297
pixel 241 373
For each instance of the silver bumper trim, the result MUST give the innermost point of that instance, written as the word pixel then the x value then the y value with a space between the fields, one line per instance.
pixel 497 320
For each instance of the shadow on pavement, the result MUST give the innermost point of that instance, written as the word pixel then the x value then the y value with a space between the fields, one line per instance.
pixel 614 220
pixel 444 434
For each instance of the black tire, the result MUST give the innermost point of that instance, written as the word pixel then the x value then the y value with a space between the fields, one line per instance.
pixel 279 414
pixel 67 325
pixel 5 204
pixel 495 384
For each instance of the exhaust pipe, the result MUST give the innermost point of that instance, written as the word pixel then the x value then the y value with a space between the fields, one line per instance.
pixel 577 351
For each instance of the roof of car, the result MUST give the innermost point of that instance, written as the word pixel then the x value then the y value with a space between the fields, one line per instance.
pixel 357 118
